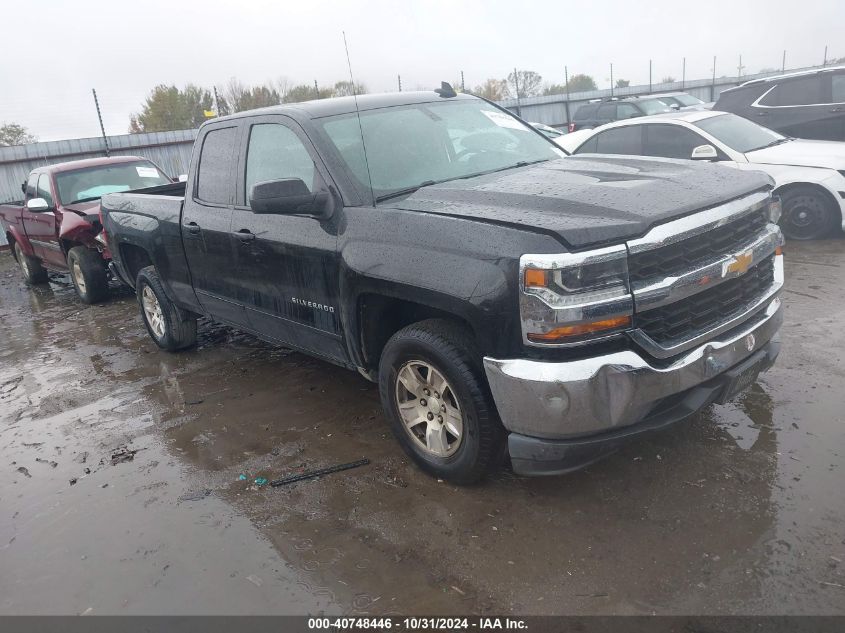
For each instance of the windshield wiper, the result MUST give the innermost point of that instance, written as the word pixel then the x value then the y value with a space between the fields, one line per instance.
pixel 405 192
pixel 772 144
pixel 85 199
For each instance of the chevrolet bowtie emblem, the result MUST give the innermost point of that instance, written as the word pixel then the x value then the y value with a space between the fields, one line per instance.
pixel 739 265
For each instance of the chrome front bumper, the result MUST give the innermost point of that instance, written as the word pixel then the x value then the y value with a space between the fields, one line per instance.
pixel 562 400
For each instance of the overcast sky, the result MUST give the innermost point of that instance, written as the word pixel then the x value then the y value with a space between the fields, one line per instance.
pixel 53 53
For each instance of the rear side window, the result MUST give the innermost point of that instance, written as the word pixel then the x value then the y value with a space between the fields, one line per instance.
pixel 621 140
pixel 607 111
pixel 838 89
pixel 626 111
pixel 584 112
pixel 801 91
pixel 213 178
pixel 589 147
pixel 671 141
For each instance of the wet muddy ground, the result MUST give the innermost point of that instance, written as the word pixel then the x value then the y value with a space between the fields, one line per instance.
pixel 739 510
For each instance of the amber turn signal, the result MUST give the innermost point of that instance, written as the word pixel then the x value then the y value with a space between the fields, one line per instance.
pixel 536 278
pixel 568 331
pixel 779 250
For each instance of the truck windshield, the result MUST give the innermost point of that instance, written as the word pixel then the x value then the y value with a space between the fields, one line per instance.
pixel 415 145
pixel 739 134
pixel 92 183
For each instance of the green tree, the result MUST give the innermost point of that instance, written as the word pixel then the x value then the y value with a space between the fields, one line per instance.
pixel 14 134
pixel 238 97
pixel 554 89
pixel 524 83
pixel 668 79
pixel 493 89
pixel 581 83
pixel 344 89
pixel 300 92
pixel 623 83
pixel 169 108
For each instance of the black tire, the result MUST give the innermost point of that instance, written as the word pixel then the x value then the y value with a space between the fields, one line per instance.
pixel 808 214
pixel 88 273
pixel 31 269
pixel 449 348
pixel 176 330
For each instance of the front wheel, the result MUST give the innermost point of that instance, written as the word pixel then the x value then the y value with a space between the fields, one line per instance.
pixel 88 272
pixel 434 394
pixel 807 214
pixel 31 268
pixel 165 322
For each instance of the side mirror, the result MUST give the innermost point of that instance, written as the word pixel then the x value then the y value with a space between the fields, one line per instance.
pixel 704 152
pixel 182 178
pixel 674 106
pixel 37 205
pixel 287 196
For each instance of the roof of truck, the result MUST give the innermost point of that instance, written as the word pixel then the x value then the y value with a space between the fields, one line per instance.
pixel 73 165
pixel 319 108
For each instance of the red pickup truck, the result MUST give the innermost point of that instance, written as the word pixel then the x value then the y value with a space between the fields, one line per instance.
pixel 57 225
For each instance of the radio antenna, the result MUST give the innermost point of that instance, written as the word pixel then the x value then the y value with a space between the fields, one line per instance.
pixel 358 113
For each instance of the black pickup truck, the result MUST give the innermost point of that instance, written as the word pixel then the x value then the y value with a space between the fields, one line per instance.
pixel 508 301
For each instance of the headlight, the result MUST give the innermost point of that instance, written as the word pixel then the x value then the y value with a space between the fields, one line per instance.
pixel 574 298
pixel 775 210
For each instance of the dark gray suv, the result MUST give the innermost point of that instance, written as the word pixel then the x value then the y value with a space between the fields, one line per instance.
pixel 808 104
pixel 598 113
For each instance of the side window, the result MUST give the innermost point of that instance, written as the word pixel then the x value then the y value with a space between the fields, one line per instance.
pixel 671 141
pixel 626 111
pixel 275 152
pixel 607 111
pixel 44 189
pixel 621 140
pixel 589 147
pixel 584 112
pixel 838 88
pixel 213 178
pixel 31 186
pixel 802 91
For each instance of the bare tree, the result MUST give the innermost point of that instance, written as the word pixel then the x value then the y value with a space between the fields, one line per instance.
pixel 14 134
pixel 524 83
pixel 493 89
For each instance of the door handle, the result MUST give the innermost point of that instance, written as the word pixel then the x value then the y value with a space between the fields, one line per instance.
pixel 763 113
pixel 193 228
pixel 244 235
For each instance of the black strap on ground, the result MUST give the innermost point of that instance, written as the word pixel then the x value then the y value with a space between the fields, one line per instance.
pixel 311 474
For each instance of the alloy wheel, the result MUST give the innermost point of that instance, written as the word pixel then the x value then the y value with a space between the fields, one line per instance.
pixel 152 311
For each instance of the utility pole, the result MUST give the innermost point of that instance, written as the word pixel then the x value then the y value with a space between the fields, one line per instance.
pixel 713 85
pixel 824 62
pixel 566 103
pixel 516 85
pixel 100 117
pixel 463 87
pixel 739 68
pixel 649 77
pixel 399 79
pixel 783 64
pixel 317 90
pixel 611 80
pixel 684 73
pixel 216 100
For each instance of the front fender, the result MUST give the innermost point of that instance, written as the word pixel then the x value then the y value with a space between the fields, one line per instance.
pixel 75 228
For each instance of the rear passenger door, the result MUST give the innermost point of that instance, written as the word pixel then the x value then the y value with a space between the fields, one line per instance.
pixel 798 107
pixel 206 220
pixel 287 265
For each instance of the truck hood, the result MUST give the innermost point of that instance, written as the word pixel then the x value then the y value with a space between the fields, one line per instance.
pixel 588 201
pixel 83 208
pixel 801 153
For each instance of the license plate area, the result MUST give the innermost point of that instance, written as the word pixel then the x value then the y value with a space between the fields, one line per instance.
pixel 741 377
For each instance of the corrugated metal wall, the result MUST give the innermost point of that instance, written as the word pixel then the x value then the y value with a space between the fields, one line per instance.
pixel 552 110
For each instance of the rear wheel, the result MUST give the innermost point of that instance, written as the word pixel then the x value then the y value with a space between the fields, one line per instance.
pixel 807 214
pixel 31 268
pixel 88 272
pixel 166 324
pixel 434 394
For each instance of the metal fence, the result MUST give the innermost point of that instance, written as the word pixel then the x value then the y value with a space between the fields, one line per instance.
pixel 557 110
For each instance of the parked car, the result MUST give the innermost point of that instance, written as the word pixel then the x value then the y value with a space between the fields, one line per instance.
pixel 591 115
pixel 504 299
pixel 548 130
pixel 680 101
pixel 57 225
pixel 809 175
pixel 808 104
